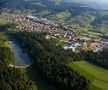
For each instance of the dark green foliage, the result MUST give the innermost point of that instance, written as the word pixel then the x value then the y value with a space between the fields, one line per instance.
pixel 11 78
pixel 98 58
pixel 6 56
pixel 7 26
pixel 52 61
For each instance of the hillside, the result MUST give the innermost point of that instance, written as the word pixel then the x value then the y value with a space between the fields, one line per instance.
pixel 53 45
pixel 76 15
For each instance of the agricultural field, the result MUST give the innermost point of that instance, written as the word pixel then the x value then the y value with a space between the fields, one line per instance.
pixel 97 76
pixel 60 16
pixel 95 33
pixel 5 16
pixel 39 4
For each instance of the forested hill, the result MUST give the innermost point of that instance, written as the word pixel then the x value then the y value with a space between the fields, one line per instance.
pixel 52 5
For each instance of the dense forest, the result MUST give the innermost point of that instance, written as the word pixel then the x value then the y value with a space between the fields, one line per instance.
pixel 6 55
pixel 52 61
pixel 11 78
pixel 98 58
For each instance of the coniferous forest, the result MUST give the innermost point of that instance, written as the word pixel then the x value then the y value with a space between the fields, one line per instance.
pixel 52 61
pixel 11 78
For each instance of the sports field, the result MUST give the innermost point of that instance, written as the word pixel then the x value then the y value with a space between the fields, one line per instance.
pixel 98 76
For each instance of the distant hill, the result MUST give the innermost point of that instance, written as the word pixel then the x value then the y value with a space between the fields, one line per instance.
pixel 74 13
pixel 96 4
pixel 52 5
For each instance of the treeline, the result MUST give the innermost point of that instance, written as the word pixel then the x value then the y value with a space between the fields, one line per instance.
pixel 52 61
pixel 98 58
pixel 6 56
pixel 7 26
pixel 11 78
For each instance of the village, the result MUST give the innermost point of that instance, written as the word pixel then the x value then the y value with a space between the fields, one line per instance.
pixel 65 36
pixel 79 43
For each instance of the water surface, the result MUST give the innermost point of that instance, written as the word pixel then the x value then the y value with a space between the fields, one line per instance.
pixel 21 58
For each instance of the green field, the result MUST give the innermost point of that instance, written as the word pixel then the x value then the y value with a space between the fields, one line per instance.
pixel 97 75
pixel 95 33
pixel 5 16
pixel 39 4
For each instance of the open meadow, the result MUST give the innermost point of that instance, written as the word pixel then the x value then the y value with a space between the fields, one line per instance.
pixel 98 76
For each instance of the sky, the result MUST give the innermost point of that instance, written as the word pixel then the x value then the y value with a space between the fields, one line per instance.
pixel 101 1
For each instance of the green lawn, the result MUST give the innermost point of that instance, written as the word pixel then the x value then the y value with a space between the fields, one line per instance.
pixel 44 12
pixel 60 16
pixel 98 76
pixel 2 35
pixel 39 4
pixel 95 33
pixel 5 16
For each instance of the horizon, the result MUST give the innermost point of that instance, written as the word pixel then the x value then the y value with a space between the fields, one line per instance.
pixel 102 4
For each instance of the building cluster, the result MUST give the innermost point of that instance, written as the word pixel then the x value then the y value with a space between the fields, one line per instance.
pixel 99 45
pixel 43 20
pixel 69 38
pixel 12 18
pixel 32 26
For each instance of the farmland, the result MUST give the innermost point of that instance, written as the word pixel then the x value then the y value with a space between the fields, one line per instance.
pixel 97 76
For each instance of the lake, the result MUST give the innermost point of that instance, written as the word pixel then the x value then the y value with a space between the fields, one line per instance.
pixel 21 58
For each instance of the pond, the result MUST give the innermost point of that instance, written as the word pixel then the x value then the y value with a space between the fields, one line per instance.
pixel 21 58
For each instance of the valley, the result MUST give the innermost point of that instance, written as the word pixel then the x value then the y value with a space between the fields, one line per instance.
pixel 53 45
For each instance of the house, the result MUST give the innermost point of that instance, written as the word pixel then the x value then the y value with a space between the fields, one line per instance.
pixel 70 47
pixel 96 47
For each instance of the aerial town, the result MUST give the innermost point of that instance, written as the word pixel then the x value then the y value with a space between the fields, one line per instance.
pixel 53 44
pixel 65 36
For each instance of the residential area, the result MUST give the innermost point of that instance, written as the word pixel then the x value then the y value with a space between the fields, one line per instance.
pixel 65 36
